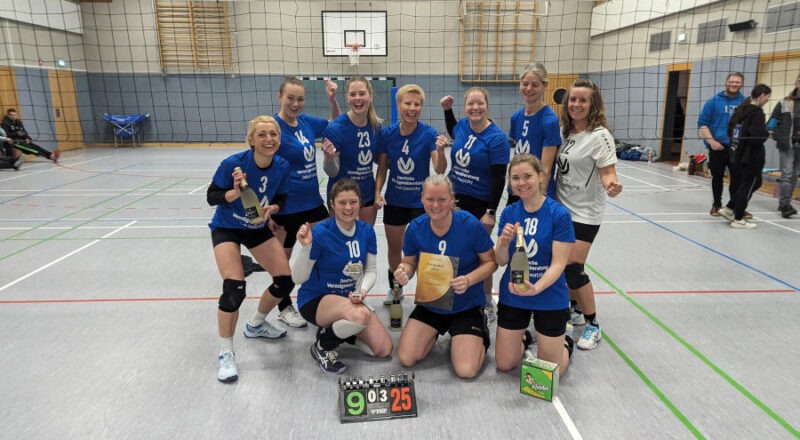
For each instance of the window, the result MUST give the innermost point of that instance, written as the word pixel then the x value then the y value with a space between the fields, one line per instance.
pixel 660 41
pixel 193 34
pixel 782 18
pixel 712 31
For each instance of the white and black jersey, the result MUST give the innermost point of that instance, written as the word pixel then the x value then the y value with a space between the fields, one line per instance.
pixel 578 183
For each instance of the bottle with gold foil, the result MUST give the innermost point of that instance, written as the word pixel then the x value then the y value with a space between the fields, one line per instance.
pixel 396 309
pixel 252 206
pixel 520 272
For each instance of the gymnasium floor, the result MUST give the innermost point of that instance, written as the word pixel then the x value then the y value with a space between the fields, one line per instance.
pixel 108 292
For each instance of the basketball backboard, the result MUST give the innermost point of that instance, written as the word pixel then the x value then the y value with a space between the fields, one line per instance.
pixel 340 28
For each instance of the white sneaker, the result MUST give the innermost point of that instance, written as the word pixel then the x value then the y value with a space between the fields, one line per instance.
pixel 590 337
pixel 291 317
pixel 727 213
pixel 576 317
pixel 265 330
pixel 227 372
pixel 743 224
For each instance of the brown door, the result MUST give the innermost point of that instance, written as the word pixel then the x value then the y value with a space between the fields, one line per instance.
pixel 557 90
pixel 8 90
pixel 69 133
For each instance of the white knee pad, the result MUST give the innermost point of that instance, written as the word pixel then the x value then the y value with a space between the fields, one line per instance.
pixel 345 328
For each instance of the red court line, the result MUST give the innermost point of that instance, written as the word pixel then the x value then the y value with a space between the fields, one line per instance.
pixel 215 298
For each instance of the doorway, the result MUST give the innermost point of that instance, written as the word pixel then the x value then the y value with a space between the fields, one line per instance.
pixel 675 101
pixel 66 114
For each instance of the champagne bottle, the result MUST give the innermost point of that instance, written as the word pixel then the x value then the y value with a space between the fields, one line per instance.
pixel 519 262
pixel 396 309
pixel 252 206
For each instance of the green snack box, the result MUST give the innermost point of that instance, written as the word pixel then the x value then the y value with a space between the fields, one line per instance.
pixel 539 378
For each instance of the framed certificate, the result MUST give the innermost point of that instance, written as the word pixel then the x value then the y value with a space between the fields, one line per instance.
pixel 434 273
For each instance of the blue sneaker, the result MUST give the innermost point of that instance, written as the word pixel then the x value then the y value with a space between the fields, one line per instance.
pixel 265 330
pixel 590 337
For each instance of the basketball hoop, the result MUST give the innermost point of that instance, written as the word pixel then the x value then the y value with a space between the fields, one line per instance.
pixel 353 54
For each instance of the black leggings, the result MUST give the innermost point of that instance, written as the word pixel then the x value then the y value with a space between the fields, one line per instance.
pixel 32 149
pixel 717 162
pixel 750 180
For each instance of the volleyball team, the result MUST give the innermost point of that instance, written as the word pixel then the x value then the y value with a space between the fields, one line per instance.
pixel 557 174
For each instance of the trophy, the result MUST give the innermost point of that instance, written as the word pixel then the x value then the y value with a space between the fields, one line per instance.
pixel 356 272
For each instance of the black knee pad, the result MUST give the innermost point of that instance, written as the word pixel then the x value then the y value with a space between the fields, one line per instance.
pixel 233 293
pixel 281 286
pixel 576 276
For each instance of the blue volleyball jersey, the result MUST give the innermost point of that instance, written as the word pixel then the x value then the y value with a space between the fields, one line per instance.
pixel 409 159
pixel 472 157
pixel 532 133
pixel 331 250
pixel 549 223
pixel 466 239
pixel 356 148
pixel 298 148
pixel 266 183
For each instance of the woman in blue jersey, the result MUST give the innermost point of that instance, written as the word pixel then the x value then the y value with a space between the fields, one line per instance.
pixel 586 176
pixel 405 150
pixel 303 203
pixel 478 162
pixel 327 297
pixel 534 127
pixel 547 229
pixel 443 230
pixel 268 175
pixel 349 145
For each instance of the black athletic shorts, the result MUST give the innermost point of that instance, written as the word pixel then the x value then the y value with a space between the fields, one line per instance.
pixel 584 232
pixel 292 222
pixel 476 207
pixel 249 237
pixel 309 310
pixel 547 322
pixel 399 216
pixel 468 322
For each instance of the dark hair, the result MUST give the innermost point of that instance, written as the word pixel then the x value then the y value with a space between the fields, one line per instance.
pixel 11 110
pixel 597 110
pixel 344 185
pixel 739 74
pixel 758 90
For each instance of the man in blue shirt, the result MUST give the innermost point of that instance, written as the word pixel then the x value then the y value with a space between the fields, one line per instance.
pixel 713 128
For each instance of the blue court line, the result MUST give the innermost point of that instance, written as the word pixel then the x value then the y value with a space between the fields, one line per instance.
pixel 710 249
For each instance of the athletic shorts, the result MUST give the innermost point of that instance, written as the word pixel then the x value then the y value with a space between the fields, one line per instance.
pixel 551 323
pixel 476 207
pixel 584 232
pixel 399 216
pixel 292 222
pixel 250 238
pixel 309 310
pixel 468 322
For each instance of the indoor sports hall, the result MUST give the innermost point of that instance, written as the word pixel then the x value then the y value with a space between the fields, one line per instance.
pixel 108 285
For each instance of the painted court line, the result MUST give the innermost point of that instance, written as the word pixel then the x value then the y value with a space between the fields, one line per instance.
pixel 58 260
pixel 573 430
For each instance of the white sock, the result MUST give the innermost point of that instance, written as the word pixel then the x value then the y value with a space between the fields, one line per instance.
pixel 225 344
pixel 257 319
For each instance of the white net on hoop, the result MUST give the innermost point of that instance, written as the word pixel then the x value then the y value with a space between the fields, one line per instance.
pixel 353 54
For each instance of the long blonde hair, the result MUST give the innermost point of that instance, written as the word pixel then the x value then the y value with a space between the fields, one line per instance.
pixel 372 115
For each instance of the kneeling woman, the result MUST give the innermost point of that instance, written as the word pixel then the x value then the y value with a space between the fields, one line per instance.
pixel 327 298
pixel 441 230
pixel 547 230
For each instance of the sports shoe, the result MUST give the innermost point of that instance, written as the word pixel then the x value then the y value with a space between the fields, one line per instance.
pixel 227 372
pixel 390 298
pixel 56 154
pixel 20 160
pixel 328 360
pixel 747 215
pixel 265 330
pixel 714 212
pixel 787 211
pixel 576 317
pixel 490 311
pixel 590 337
pixel 743 224
pixel 290 317
pixel 727 213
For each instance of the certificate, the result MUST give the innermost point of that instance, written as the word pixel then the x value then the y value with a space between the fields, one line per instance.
pixel 434 274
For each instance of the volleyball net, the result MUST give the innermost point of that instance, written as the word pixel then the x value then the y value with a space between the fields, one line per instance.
pixel 203 69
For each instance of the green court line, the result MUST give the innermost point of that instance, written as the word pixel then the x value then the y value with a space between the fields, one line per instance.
pixel 654 388
pixel 761 405
pixel 47 239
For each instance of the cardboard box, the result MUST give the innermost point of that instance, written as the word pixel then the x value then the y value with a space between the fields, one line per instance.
pixel 539 378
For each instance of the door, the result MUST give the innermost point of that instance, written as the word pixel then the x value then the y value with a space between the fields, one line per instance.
pixel 779 71
pixel 557 90
pixel 8 90
pixel 66 115
pixel 674 123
